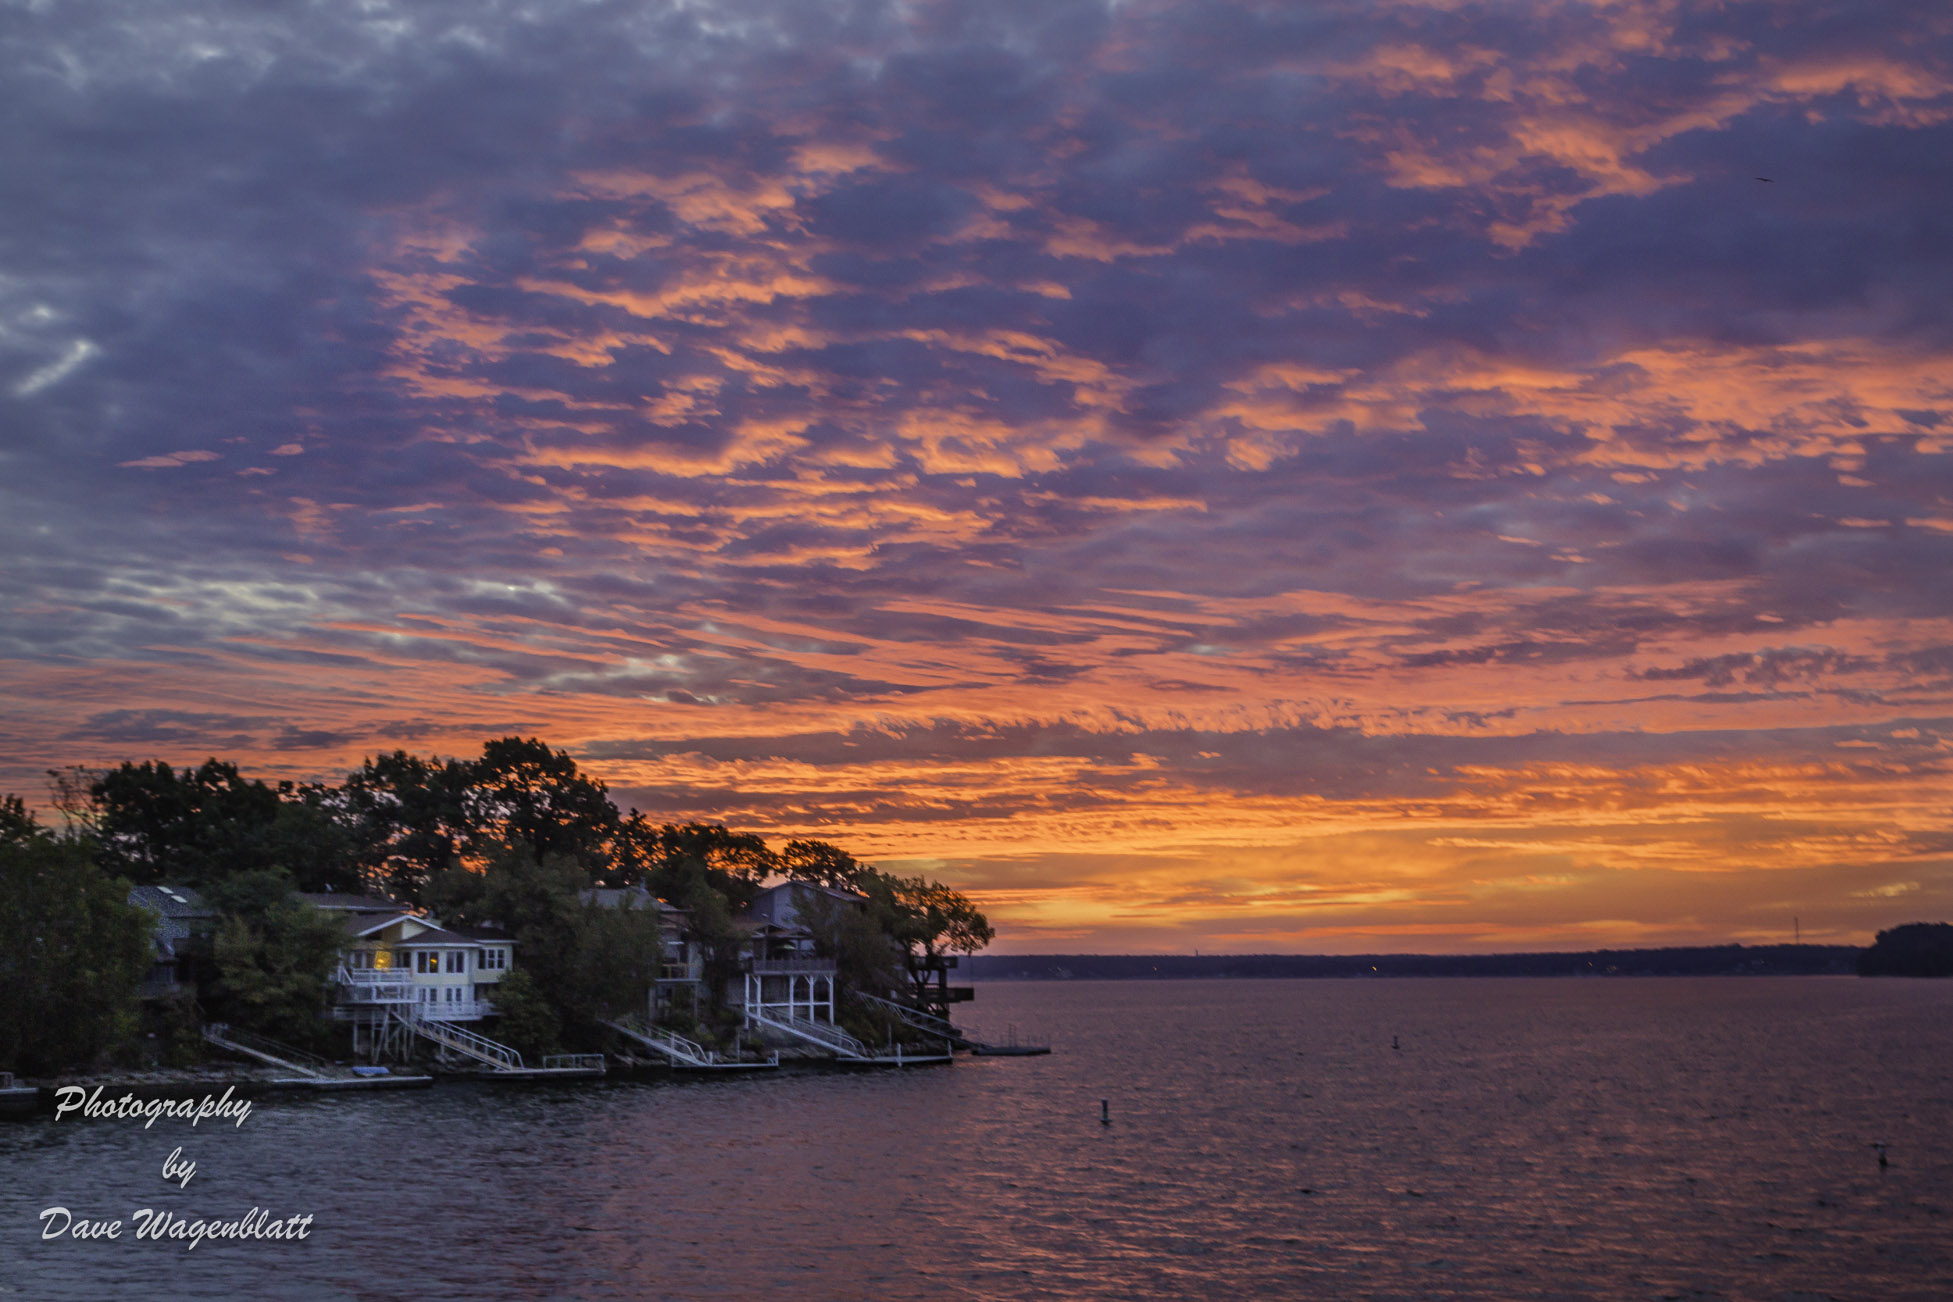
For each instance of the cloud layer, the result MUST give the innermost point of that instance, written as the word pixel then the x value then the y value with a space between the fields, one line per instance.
pixel 1224 475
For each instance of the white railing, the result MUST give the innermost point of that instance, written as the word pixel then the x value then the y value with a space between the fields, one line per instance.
pixel 264 1049
pixel 368 986
pixel 793 966
pixel 916 1018
pixel 574 1062
pixel 373 975
pixel 832 1038
pixel 462 1041
pixel 680 1051
pixel 672 1045
pixel 469 1010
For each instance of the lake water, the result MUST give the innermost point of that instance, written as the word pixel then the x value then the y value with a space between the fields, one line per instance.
pixel 1619 1138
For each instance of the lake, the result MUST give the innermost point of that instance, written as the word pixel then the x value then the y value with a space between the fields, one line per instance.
pixel 1525 1138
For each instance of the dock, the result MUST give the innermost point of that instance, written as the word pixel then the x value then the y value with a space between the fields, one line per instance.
pixel 17 1100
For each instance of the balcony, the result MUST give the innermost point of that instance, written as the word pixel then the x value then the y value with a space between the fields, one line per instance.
pixel 371 986
pixel 793 967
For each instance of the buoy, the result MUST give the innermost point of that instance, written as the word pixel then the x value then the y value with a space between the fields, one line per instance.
pixel 1881 1155
pixel 1105 1113
pixel 1393 1042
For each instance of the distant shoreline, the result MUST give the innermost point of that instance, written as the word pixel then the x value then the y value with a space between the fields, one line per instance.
pixel 1704 960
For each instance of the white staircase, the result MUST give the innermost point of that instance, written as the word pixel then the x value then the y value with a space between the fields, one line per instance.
pixel 916 1018
pixel 678 1050
pixel 469 1044
pixel 832 1038
pixel 265 1050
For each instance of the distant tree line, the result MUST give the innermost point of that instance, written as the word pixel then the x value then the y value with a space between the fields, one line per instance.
pixel 1692 960
pixel 514 837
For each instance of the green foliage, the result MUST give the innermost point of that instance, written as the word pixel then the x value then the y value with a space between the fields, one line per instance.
pixel 527 1021
pixel 613 962
pixel 177 1026
pixel 73 951
pixel 710 930
pixel 867 959
pixel 275 956
pixel 589 962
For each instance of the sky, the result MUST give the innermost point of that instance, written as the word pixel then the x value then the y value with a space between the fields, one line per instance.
pixel 1299 477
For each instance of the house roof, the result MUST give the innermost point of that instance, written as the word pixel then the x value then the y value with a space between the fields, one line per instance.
pixel 624 897
pixel 351 903
pixel 400 915
pixel 433 933
pixel 437 936
pixel 758 925
pixel 835 892
pixel 171 901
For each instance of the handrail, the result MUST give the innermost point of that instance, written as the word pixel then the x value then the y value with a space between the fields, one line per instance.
pixel 673 1045
pixel 461 1040
pixel 827 1037
pixel 915 1017
pixel 793 966
pixel 364 976
pixel 573 1062
pixel 264 1048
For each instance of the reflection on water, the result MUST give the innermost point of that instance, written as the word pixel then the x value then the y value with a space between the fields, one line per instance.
pixel 1528 1138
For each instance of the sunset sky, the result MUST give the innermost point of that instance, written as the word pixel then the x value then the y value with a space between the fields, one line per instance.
pixel 1307 477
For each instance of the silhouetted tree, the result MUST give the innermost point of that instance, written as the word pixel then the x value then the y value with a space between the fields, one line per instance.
pixel 820 863
pixel 1917 949
pixel 199 826
pixel 17 822
pixel 522 793
pixel 406 819
pixel 927 920
pixel 670 859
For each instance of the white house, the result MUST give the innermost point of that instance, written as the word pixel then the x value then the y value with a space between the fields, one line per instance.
pixel 399 962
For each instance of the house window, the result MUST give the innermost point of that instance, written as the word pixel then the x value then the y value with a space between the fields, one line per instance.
pixel 454 994
pixel 494 960
pixel 457 960
pixel 427 960
pixel 359 959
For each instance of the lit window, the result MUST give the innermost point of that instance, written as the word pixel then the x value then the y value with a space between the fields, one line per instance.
pixel 427 960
